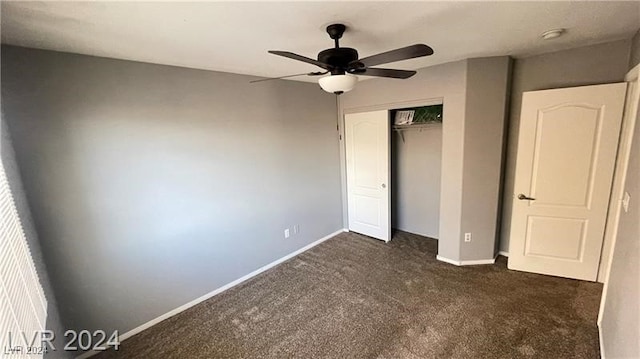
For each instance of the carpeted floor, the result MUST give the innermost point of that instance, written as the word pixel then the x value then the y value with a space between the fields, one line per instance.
pixel 356 297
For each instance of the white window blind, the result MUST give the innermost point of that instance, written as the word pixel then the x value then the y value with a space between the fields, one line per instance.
pixel 23 307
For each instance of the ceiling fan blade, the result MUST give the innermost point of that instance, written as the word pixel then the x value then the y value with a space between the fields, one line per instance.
pixel 318 73
pixel 404 53
pixel 293 56
pixel 378 72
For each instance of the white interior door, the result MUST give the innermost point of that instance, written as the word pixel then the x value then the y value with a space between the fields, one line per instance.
pixel 368 181
pixel 566 153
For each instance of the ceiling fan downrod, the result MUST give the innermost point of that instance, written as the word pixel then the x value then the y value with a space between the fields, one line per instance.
pixel 335 32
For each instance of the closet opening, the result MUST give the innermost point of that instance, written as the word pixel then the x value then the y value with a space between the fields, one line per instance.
pixel 416 161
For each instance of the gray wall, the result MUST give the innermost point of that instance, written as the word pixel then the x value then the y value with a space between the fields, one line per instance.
pixel 620 324
pixel 444 83
pixel 415 181
pixel 152 185
pixel 634 57
pixel 597 64
pixel 487 87
pixel 54 322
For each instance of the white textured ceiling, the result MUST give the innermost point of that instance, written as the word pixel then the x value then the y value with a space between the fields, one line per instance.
pixel 235 36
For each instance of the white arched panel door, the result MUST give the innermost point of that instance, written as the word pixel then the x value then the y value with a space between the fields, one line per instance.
pixel 368 180
pixel 566 154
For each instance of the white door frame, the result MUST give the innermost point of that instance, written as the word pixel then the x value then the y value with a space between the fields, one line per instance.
pixel 619 177
pixel 620 172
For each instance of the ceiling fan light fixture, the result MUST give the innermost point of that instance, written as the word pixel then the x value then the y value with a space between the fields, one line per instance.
pixel 338 84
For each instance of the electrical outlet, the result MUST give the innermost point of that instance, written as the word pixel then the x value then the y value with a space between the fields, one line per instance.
pixel 296 229
pixel 467 237
pixel 286 233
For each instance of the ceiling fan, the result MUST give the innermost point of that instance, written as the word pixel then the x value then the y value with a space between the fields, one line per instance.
pixel 343 63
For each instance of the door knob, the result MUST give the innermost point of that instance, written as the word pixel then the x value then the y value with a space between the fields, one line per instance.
pixel 384 185
pixel 525 198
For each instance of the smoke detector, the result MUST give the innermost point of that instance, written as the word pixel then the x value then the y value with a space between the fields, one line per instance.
pixel 552 34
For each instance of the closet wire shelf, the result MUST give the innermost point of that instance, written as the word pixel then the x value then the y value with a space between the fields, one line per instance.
pixel 418 118
pixel 400 129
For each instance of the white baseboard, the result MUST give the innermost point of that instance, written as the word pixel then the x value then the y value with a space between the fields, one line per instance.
pixel 504 253
pixel 466 263
pixel 217 291
pixel 602 356
pixel 602 353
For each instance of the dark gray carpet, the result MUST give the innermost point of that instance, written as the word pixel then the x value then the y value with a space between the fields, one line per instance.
pixel 356 297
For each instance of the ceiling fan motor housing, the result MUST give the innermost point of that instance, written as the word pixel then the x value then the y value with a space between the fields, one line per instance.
pixel 338 58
